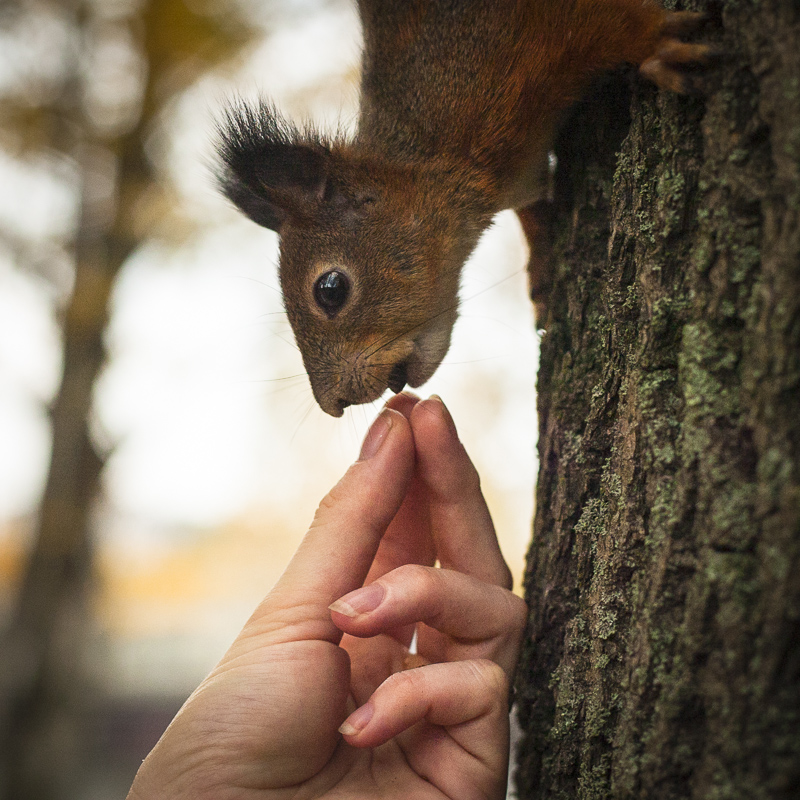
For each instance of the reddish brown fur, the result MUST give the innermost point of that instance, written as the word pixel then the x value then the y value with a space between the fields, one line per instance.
pixel 459 103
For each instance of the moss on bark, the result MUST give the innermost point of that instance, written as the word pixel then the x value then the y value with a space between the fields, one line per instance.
pixel 663 658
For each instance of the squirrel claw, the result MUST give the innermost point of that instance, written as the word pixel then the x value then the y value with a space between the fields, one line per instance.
pixel 682 23
pixel 670 65
pixel 676 53
pixel 666 77
pixel 667 68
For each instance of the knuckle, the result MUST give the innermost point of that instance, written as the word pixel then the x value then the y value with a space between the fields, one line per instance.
pixel 335 497
pixel 410 681
pixel 517 613
pixel 506 579
pixel 417 579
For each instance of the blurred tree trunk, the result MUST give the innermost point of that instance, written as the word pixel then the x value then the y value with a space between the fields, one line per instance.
pixel 46 697
pixel 51 703
pixel 663 655
pixel 48 701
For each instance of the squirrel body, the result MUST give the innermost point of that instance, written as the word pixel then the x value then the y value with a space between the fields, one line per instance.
pixel 460 101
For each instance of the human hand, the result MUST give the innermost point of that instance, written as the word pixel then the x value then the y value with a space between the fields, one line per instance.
pixel 265 723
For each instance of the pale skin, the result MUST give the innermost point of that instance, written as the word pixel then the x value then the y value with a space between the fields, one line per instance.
pixel 318 696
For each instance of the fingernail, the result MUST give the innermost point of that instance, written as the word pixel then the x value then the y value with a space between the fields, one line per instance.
pixel 376 435
pixel 361 601
pixel 358 720
pixel 445 414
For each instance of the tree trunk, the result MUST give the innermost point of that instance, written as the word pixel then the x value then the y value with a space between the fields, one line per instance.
pixel 46 697
pixel 663 653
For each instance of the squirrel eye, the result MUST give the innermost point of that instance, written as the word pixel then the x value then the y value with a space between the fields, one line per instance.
pixel 330 291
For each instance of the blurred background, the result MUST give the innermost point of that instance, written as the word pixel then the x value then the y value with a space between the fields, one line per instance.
pixel 160 450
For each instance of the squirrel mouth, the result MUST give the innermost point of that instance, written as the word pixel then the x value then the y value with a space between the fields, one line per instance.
pixel 398 377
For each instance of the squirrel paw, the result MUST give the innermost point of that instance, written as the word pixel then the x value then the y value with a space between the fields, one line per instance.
pixel 668 67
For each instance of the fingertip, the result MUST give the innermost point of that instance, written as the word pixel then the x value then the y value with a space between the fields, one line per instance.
pixel 444 413
pixel 404 403
pixel 383 427
pixel 359 602
pixel 376 435
pixel 432 412
pixel 436 442
pixel 358 720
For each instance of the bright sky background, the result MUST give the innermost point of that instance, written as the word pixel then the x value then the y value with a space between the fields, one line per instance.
pixel 204 397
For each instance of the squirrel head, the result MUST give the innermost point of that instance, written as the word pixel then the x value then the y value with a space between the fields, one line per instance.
pixel 370 252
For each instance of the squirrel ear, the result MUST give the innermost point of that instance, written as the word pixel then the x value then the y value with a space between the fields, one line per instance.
pixel 268 170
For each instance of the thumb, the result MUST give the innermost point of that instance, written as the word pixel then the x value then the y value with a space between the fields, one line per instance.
pixel 337 552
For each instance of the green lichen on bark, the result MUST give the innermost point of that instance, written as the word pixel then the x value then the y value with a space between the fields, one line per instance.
pixel 663 657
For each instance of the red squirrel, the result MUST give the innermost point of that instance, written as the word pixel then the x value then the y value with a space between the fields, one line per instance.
pixel 460 101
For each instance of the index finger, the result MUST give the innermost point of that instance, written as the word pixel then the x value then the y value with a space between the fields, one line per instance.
pixel 407 539
pixel 460 522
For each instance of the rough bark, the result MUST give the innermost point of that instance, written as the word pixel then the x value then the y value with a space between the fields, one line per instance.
pixel 663 655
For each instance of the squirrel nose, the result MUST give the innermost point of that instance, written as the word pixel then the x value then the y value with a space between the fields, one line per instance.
pixel 398 377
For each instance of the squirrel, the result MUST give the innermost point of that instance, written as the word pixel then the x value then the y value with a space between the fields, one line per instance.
pixel 460 101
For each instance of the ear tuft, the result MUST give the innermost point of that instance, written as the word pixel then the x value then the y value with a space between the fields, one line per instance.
pixel 269 170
